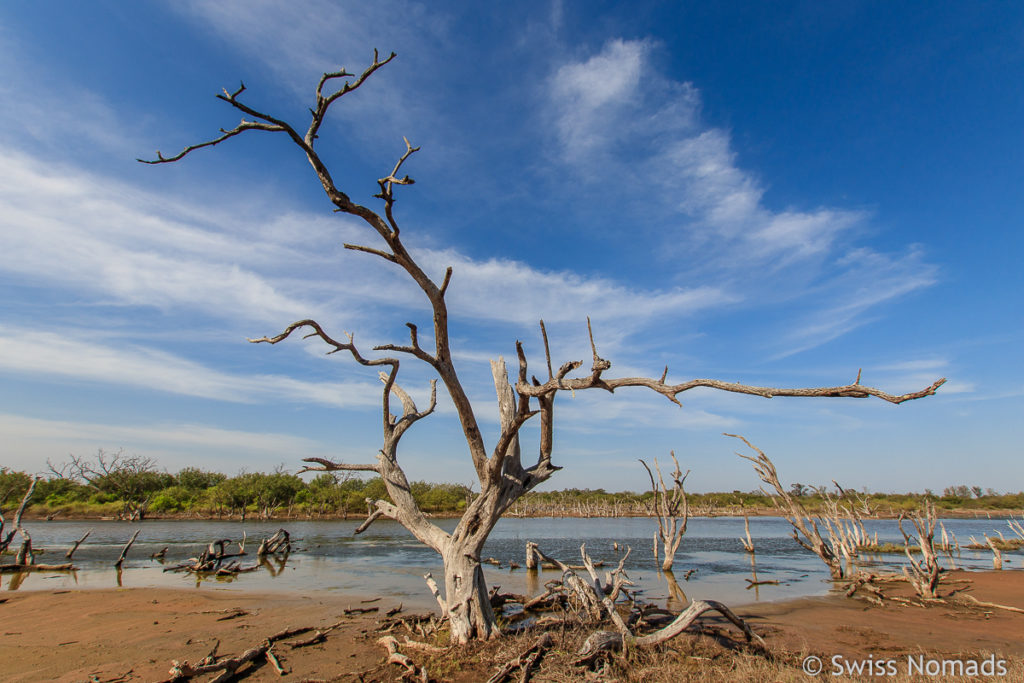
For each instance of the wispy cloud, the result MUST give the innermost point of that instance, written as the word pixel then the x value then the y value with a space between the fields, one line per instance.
pixel 614 111
pixel 318 35
pixel 521 295
pixel 868 279
pixel 66 356
pixel 35 441
pixel 61 226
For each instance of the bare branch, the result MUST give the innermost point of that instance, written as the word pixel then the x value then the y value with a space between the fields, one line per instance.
pixel 370 250
pixel 447 280
pixel 331 466
pixel 671 391
pixel 240 128
pixel 323 103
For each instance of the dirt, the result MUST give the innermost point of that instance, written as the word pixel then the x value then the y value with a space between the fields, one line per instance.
pixel 135 634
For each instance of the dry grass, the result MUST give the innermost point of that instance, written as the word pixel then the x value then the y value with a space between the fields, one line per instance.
pixel 713 655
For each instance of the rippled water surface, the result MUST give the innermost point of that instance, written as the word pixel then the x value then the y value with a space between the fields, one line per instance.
pixel 387 560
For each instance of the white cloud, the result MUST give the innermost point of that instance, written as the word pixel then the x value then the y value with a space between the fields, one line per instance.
pixel 64 226
pixel 65 355
pixel 512 291
pixel 867 279
pixel 638 135
pixel 32 441
pixel 591 94
pixel 314 36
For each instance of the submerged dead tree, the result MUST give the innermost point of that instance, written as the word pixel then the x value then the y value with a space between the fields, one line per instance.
pixel 670 509
pixel 503 475
pixel 805 526
pixel 923 574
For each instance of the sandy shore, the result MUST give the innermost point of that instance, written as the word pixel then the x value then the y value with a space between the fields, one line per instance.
pixel 134 634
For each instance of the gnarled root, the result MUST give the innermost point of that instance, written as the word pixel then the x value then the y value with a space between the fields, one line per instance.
pixel 607 641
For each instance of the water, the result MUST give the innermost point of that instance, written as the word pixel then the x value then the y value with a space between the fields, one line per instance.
pixel 387 561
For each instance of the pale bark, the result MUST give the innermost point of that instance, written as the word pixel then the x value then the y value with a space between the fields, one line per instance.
pixel 805 527
pixel 502 475
pixel 671 510
pixel 923 574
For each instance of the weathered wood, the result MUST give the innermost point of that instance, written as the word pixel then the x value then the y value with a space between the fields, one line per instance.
pixel 671 509
pixel 7 568
pixel 78 543
pixel 436 592
pixel 127 547
pixel 805 527
pixel 502 477
pixel 603 641
pixel 997 555
pixel 993 605
pixel 526 660
pixel 748 542
pixel 923 574
pixel 24 555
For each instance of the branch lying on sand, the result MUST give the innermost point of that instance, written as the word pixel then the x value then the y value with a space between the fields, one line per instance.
pixel 230 667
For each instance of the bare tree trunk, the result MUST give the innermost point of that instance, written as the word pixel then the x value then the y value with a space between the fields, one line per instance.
pixel 670 509
pixel 805 527
pixel 748 542
pixel 501 473
pixel 78 543
pixel 924 573
pixel 469 608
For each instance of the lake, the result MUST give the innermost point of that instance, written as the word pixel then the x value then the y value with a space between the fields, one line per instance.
pixel 387 561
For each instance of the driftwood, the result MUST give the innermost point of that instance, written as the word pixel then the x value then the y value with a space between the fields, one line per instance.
pixel 7 568
pixel 124 551
pixel 605 641
pixel 280 542
pixel 975 601
pixel 229 666
pixel 211 560
pixel 396 657
pixel 997 555
pixel 525 662
pixel 805 527
pixel 77 543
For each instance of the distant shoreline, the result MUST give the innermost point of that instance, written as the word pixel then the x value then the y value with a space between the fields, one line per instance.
pixel 35 515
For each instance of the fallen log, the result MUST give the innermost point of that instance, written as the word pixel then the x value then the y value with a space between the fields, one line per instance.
pixel 7 568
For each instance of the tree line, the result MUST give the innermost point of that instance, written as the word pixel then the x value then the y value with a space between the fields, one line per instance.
pixel 134 487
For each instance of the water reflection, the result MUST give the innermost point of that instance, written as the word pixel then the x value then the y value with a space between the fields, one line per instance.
pixel 387 560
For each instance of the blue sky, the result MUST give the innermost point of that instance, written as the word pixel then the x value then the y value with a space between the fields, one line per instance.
pixel 772 194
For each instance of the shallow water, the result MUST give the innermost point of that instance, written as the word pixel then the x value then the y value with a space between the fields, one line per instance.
pixel 387 560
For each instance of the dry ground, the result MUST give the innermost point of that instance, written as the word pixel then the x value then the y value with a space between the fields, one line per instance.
pixel 134 634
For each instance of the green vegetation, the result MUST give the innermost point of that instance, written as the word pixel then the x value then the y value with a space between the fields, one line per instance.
pixel 135 487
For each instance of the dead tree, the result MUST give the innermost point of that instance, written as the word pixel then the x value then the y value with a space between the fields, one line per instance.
pixel 134 479
pixel 280 542
pixel 670 509
pixel 805 527
pixel 748 542
pixel 923 574
pixel 24 555
pixel 500 470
